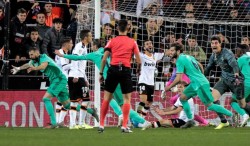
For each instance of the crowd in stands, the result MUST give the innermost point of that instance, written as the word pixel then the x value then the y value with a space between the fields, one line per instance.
pixel 44 23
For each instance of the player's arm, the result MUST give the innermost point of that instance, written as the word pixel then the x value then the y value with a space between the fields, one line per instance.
pixel 137 58
pixel 103 63
pixel 175 82
pixel 209 65
pixel 169 111
pixel 233 63
pixel 43 66
pixel 15 69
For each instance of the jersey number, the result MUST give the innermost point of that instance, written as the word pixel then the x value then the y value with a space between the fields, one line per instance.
pixel 196 65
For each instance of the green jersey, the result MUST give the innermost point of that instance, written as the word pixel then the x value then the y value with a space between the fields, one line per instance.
pixel 52 71
pixel 189 65
pixel 95 57
pixel 244 65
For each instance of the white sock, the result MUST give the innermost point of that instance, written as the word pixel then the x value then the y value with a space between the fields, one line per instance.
pixel 63 113
pixel 72 114
pixel 83 113
pixel 58 111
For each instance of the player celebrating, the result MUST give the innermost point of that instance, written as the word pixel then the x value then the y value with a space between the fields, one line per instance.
pixel 146 79
pixel 117 102
pixel 199 85
pixel 243 62
pixel 230 78
pixel 58 81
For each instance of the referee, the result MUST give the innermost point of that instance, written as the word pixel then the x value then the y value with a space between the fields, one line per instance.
pixel 121 50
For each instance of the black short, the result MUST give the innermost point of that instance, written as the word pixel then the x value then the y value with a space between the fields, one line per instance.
pixel 224 85
pixel 177 123
pixel 119 75
pixel 148 90
pixel 78 90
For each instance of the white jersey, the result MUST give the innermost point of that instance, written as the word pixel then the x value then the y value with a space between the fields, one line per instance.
pixel 148 66
pixel 77 69
pixel 63 63
pixel 182 114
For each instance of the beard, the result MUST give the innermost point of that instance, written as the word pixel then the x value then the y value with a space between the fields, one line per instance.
pixel 35 59
pixel 150 50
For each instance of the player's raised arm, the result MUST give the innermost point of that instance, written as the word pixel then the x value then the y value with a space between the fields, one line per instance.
pixel 16 69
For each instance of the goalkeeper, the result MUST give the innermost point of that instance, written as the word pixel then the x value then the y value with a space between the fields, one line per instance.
pixel 117 102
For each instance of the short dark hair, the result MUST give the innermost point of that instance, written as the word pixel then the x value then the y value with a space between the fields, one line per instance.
pixel 33 29
pixel 57 20
pixel 192 36
pixel 22 10
pixel 65 40
pixel 178 47
pixel 215 37
pixel 146 41
pixel 245 37
pixel 122 25
pixel 97 42
pixel 244 48
pixel 109 25
pixel 84 33
pixel 34 49
pixel 40 12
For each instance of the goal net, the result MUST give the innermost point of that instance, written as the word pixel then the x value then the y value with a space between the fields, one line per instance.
pixel 191 23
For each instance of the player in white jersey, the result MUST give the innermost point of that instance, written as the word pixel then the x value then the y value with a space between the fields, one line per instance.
pixel 176 109
pixel 78 84
pixel 146 79
pixel 65 65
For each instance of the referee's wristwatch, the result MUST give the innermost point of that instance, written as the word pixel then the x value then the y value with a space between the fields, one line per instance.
pixel 101 73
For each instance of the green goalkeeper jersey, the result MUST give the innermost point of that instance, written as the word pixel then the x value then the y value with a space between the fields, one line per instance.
pixel 52 71
pixel 95 57
pixel 189 65
pixel 244 65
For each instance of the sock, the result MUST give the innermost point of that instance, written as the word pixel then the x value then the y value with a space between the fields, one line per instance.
pixel 247 109
pixel 114 105
pixel 221 116
pixel 125 112
pixel 67 106
pixel 72 113
pixel 63 113
pixel 200 119
pixel 50 109
pixel 238 109
pixel 187 110
pixel 136 117
pixel 58 110
pixel 173 99
pixel 156 124
pixel 83 112
pixel 104 110
pixel 220 109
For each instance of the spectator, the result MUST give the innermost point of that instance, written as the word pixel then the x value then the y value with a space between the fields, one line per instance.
pixel 245 40
pixel 18 32
pixel 132 30
pixel 168 39
pixel 53 37
pixel 234 14
pixel 33 41
pixel 194 50
pixel 144 4
pixel 1 27
pixel 189 8
pixel 72 29
pixel 50 16
pixel 41 25
pixel 107 32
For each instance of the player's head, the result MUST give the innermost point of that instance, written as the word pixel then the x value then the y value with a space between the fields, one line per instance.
pixel 123 25
pixel 86 36
pixel 216 44
pixel 57 23
pixel 175 50
pixel 245 40
pixel 34 53
pixel 148 46
pixel 242 49
pixel 67 43
pixel 96 45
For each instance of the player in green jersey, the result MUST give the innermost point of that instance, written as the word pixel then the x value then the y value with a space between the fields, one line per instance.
pixel 57 80
pixel 244 65
pixel 199 85
pixel 117 102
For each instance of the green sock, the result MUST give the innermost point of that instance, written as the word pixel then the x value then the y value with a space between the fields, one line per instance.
pixel 187 109
pixel 50 109
pixel 238 109
pixel 220 109
pixel 90 110
pixel 78 107
pixel 115 107
pixel 136 117
pixel 67 106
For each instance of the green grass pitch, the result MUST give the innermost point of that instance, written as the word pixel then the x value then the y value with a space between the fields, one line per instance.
pixel 197 136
